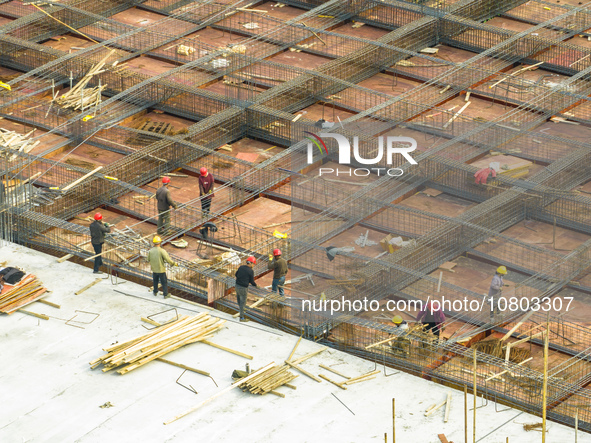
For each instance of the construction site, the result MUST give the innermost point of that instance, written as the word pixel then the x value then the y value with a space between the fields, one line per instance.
pixel 102 99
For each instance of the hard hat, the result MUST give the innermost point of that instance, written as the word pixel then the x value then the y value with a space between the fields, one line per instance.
pixel 156 239
pixel 252 260
pixel 502 270
pixel 397 319
pixel 276 252
pixel 165 179
pixel 203 171
pixel 98 216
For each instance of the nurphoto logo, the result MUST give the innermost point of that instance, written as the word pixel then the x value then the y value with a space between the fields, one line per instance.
pixel 393 145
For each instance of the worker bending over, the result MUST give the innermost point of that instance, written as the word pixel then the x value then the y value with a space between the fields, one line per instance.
pixel 206 183
pixel 401 345
pixel 98 229
pixel 496 290
pixel 432 318
pixel 164 203
pixel 244 277
pixel 157 257
pixel 279 267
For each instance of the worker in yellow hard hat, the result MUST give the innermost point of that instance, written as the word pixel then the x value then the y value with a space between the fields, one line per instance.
pixel 399 322
pixel 400 345
pixel 496 289
pixel 157 258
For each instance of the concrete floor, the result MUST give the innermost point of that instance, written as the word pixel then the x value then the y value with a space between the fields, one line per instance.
pixel 49 394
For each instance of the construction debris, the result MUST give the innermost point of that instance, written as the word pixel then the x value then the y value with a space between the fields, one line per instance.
pixel 28 291
pixel 131 354
pixel 11 141
pixel 268 380
pixel 185 50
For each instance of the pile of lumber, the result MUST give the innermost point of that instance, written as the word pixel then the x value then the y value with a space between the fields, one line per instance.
pixel 11 141
pixel 268 380
pixel 138 351
pixel 27 292
pixel 81 97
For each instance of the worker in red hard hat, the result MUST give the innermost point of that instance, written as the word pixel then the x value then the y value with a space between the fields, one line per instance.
pixel 244 277
pixel 206 185
pixel 98 229
pixel 164 203
pixel 279 267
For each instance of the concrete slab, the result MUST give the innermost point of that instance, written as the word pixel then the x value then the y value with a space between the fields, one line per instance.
pixel 51 395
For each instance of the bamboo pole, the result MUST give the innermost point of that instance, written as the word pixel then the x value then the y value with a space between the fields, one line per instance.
pixel 340 385
pixel 88 286
pixel 576 425
pixel 229 388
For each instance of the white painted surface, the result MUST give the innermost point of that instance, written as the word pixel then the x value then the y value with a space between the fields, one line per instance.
pixel 49 394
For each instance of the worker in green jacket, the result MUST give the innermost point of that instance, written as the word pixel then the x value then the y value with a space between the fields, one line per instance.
pixel 157 257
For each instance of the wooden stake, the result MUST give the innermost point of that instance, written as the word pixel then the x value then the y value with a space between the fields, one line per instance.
pixel 88 286
pixel 545 386
pixel 447 407
pixel 465 413
pixel 393 420
pixel 34 314
pixel 340 385
pixel 303 371
pixel 328 368
pixel 474 392
pixel 48 303
pixel 439 284
pixel 178 365
pixel 229 388
pixel 215 345
pixel 456 115
pixel 576 425
pixel 294 348
pixel 64 258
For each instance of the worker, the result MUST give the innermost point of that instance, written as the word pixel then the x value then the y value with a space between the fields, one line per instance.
pixel 157 256
pixel 401 344
pixel 164 203
pixel 432 318
pixel 400 323
pixel 496 289
pixel 206 183
pixel 98 229
pixel 279 267
pixel 244 277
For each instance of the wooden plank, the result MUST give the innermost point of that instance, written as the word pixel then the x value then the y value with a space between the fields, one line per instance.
pixel 223 348
pixel 303 371
pixel 340 385
pixel 179 365
pixel 294 348
pixel 334 371
pixel 64 258
pixel 88 286
pixel 34 314
pixel 48 303
pixel 447 407
pixel 308 356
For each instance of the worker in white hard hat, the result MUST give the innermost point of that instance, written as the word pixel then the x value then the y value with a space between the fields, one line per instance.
pixel 157 258
pixel 496 289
